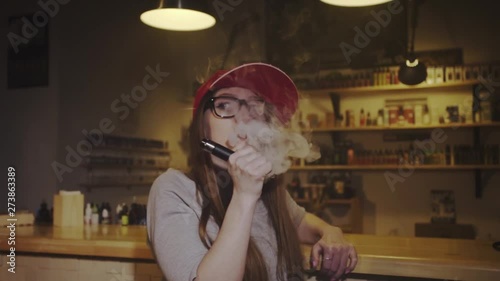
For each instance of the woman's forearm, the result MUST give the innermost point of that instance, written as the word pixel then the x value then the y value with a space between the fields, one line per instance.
pixel 227 256
pixel 311 229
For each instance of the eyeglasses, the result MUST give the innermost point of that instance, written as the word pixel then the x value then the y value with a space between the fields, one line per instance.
pixel 228 107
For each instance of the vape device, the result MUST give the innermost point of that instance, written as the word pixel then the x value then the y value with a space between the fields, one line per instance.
pixel 216 149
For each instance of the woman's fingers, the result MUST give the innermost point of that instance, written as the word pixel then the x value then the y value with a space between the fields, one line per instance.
pixel 335 259
pixel 316 251
pixel 353 259
pixel 341 267
pixel 260 166
pixel 244 160
pixel 248 169
pixel 247 160
pixel 336 255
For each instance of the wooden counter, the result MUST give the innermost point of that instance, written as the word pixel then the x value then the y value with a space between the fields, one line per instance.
pixel 378 255
pixel 98 241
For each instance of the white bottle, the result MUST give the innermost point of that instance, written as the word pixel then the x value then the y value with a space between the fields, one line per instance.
pixel 418 114
pixel 94 219
pixel 88 214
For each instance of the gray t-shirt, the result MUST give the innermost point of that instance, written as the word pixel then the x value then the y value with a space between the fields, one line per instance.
pixel 173 215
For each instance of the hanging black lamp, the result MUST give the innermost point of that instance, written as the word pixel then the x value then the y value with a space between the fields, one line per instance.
pixel 412 71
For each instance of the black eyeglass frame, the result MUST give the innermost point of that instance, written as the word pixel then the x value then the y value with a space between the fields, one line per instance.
pixel 241 102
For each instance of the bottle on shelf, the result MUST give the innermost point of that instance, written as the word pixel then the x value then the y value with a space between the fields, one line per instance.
pixel 105 216
pixel 426 118
pixel 381 77
pixel 448 154
pixel 88 214
pixel 409 114
pixel 94 219
pixel 362 118
pixel 394 76
pixel 401 116
pixel 375 77
pixel 348 120
pixel 380 117
pixel 124 215
pixel 119 209
pixel 106 213
pixel 100 209
pixel 388 78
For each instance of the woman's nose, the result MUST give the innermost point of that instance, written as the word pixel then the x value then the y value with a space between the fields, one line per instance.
pixel 243 115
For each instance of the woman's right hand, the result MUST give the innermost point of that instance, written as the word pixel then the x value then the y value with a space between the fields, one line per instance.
pixel 248 169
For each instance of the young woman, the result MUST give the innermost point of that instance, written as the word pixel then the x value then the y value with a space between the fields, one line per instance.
pixel 231 220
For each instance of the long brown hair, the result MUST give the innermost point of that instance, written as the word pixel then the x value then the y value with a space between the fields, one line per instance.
pixel 215 199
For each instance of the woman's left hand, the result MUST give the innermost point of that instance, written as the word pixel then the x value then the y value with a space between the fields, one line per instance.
pixel 334 254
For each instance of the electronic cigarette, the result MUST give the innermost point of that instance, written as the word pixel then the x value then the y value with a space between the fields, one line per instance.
pixel 216 149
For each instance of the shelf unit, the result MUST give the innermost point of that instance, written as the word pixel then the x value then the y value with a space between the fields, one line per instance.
pixel 131 155
pixel 392 167
pixel 387 89
pixel 129 167
pixel 477 140
pixel 450 126
pixel 401 89
pixel 128 184
pixel 133 149
pixel 347 201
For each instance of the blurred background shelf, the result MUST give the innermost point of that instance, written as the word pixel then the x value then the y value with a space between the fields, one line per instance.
pixel 123 161
pixel 130 184
pixel 132 149
pixel 393 167
pixel 411 127
pixel 391 89
pixel 124 166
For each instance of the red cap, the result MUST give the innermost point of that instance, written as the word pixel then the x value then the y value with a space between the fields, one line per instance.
pixel 265 80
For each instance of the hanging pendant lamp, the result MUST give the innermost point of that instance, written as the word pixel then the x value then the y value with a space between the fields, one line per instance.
pixel 179 15
pixel 354 3
pixel 412 71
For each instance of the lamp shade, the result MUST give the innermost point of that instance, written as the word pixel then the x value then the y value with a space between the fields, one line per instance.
pixel 179 15
pixel 354 3
pixel 412 72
